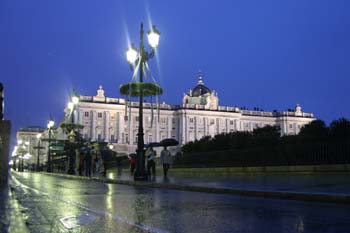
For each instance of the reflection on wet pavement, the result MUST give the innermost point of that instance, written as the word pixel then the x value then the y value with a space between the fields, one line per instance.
pixel 328 183
pixel 121 208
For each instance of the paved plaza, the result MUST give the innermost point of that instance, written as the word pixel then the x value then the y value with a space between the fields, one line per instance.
pixel 52 203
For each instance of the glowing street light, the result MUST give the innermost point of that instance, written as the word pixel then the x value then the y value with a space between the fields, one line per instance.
pixel 132 54
pixel 75 100
pixel 70 106
pixel 49 127
pixel 141 56
pixel 38 147
pixel 153 37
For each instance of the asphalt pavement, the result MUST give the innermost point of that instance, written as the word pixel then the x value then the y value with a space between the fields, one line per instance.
pixel 53 203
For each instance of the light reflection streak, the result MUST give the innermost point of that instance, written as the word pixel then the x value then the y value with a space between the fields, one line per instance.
pixel 156 55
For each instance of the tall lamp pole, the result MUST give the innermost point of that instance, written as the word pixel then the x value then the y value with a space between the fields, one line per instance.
pixel 71 136
pixel 141 56
pixel 38 136
pixel 49 127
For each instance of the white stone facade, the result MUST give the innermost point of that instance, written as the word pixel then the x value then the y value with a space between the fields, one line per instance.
pixel 29 139
pixel 106 119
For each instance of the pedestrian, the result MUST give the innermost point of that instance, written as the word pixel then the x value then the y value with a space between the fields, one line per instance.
pixel 119 165
pixel 88 161
pixel 97 162
pixel 166 159
pixel 81 163
pixel 132 161
pixel 151 164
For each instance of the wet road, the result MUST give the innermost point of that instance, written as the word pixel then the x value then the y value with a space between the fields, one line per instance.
pixel 121 208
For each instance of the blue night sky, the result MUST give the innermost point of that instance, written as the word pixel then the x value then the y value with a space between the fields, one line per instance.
pixel 266 54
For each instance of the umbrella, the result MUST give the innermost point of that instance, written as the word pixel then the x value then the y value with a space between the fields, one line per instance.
pixel 169 142
pixel 153 144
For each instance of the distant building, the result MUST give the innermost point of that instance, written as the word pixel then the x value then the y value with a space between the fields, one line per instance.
pixel 108 119
pixel 28 137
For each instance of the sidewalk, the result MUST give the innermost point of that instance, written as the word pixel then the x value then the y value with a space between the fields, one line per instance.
pixel 12 217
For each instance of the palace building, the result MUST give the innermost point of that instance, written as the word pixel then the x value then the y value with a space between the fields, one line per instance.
pixel 107 119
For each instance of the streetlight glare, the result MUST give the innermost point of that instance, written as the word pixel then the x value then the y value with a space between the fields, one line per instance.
pixel 131 55
pixel 20 142
pixel 70 106
pixel 50 124
pixel 38 136
pixel 75 100
pixel 153 37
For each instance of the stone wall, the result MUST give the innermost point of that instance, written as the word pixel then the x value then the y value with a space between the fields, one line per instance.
pixel 5 132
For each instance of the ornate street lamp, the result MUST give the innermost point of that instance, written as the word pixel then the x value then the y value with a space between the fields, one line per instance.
pixel 49 127
pixel 138 58
pixel 71 105
pixel 38 147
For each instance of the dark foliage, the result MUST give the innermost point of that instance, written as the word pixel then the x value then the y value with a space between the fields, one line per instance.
pixel 315 144
pixel 340 129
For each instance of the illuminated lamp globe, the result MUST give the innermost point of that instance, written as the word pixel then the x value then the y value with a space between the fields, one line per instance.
pixel 131 55
pixel 50 124
pixel 75 100
pixel 70 106
pixel 153 37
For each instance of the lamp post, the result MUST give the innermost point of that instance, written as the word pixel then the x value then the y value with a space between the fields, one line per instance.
pixel 49 127
pixel 38 136
pixel 72 135
pixel 141 56
pixel 71 105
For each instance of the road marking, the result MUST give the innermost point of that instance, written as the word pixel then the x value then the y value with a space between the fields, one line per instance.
pixel 99 212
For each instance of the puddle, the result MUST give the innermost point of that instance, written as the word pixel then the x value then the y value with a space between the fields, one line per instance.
pixel 71 222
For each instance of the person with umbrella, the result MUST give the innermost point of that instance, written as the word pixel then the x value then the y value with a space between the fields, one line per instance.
pixel 151 164
pixel 165 158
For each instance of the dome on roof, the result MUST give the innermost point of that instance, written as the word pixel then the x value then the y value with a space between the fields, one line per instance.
pixel 200 89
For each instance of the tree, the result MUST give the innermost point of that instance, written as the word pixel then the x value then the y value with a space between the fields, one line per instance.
pixel 315 131
pixel 266 136
pixel 340 129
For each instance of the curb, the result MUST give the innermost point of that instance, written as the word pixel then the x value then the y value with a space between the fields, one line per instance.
pixel 244 192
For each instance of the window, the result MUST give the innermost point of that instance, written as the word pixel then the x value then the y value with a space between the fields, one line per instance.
pixel 112 116
pixel 85 136
pixel 86 114
pixel 99 137
pixel 99 115
pixel 191 120
pixel 150 138
pixel 137 118
pixel 290 126
pixel 231 122
pixel 112 138
pixel 126 118
pixel 212 122
pixel 163 120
